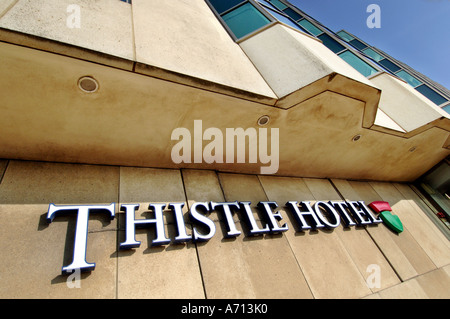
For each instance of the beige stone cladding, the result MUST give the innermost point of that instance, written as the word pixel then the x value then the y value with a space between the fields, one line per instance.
pixel 129 121
pixel 294 264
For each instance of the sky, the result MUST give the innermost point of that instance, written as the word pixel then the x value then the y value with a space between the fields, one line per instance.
pixel 416 32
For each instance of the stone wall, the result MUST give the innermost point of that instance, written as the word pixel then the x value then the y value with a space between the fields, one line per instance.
pixel 311 264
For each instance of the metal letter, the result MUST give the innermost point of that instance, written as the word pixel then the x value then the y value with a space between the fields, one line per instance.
pixel 299 216
pixel 341 208
pixel 196 216
pixel 81 232
pixel 272 218
pixel 232 230
pixel 181 226
pixel 131 223
pixel 255 230
pixel 369 213
pixel 331 211
pixel 358 213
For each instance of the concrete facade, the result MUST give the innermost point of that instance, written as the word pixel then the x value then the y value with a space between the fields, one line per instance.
pixel 162 65
pixel 120 123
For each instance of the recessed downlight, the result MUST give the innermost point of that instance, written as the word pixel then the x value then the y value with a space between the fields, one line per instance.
pixel 263 120
pixel 88 84
pixel 356 138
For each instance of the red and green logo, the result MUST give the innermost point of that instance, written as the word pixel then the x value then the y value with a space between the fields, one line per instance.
pixel 391 221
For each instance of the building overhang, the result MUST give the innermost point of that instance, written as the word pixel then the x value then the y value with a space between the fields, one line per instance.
pixel 130 119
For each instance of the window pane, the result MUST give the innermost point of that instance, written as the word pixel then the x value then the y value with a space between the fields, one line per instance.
pixel 283 19
pixel 408 78
pixel 294 15
pixel 244 20
pixel 224 5
pixel 447 109
pixel 374 55
pixel 345 36
pixel 267 4
pixel 356 62
pixel 358 44
pixel 331 43
pixel 310 27
pixel 435 97
pixel 389 65
pixel 278 4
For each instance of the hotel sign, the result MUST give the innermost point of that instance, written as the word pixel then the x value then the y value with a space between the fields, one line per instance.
pixel 307 216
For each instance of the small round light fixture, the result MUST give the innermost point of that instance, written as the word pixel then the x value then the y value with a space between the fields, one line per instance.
pixel 88 84
pixel 356 138
pixel 263 120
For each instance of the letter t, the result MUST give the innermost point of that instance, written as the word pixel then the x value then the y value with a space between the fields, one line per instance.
pixel 81 231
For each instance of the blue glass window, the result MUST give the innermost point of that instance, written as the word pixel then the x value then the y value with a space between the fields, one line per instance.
pixel 432 95
pixel 345 36
pixel 374 55
pixel 357 63
pixel 408 78
pixel 244 20
pixel 223 5
pixel 310 27
pixel 389 65
pixel 284 19
pixel 294 15
pixel 267 4
pixel 278 4
pixel 331 43
pixel 447 109
pixel 358 44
